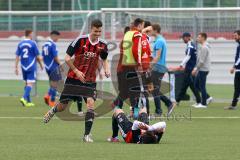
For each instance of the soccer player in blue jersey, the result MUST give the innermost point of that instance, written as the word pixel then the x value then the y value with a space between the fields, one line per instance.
pixel 51 61
pixel 27 53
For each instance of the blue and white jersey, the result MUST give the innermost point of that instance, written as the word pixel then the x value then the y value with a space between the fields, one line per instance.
pixel 237 58
pixel 191 57
pixel 49 52
pixel 27 51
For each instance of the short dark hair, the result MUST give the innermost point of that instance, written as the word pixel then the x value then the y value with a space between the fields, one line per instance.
pixel 126 29
pixel 55 33
pixel 148 138
pixel 156 27
pixel 96 23
pixel 137 21
pixel 28 32
pixel 237 31
pixel 147 23
pixel 186 34
pixel 203 34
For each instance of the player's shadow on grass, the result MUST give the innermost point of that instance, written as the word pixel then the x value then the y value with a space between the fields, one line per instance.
pixel 103 108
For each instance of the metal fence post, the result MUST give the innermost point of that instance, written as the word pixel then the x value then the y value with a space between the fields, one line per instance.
pixel 49 16
pixel 139 4
pixel 9 16
pixel 218 16
pixel 95 4
pixel 73 16
pixel 103 27
pixel 113 26
pixel 238 15
pixel 200 4
pixel 87 22
pixel 34 28
pixel 88 5
pixel 180 4
pixel 126 3
pixel 195 28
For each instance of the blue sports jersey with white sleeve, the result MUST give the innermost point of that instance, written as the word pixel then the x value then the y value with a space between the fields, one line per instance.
pixel 49 52
pixel 27 51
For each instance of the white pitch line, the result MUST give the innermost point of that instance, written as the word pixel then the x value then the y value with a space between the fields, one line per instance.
pixel 152 118
pixel 215 117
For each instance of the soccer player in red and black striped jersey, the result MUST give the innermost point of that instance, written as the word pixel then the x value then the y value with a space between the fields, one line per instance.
pixel 81 78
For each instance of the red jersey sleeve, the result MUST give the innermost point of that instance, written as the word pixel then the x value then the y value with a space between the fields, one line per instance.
pixel 136 48
pixel 146 53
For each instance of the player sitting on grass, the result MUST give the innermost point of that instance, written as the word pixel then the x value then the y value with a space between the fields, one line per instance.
pixel 27 52
pixel 51 61
pixel 138 131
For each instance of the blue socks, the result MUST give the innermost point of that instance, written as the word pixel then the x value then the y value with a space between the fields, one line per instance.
pixel 52 92
pixel 49 92
pixel 27 91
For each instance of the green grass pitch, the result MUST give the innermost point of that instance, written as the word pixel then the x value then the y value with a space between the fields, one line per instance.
pixel 211 134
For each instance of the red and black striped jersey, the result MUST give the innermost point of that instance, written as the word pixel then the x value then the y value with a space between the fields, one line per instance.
pixel 87 56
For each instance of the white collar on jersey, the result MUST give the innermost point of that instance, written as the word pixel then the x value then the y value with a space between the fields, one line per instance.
pixel 26 39
pixel 91 41
pixel 50 39
pixel 189 44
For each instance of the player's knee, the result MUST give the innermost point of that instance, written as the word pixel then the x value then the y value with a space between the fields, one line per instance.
pixel 90 103
pixel 117 111
pixel 53 84
pixel 61 107
pixel 30 84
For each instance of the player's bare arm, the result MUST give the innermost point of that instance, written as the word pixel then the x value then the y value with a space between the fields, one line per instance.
pixel 106 68
pixel 143 126
pixel 16 65
pixel 137 51
pixel 56 59
pixel 78 73
pixel 158 55
pixel 147 29
pixel 232 70
pixel 157 127
pixel 39 60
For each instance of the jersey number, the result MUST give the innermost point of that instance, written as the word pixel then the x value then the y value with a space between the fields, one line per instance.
pixel 45 50
pixel 25 53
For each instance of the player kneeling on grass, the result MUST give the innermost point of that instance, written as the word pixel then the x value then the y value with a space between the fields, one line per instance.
pixel 81 78
pixel 138 131
pixel 52 62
